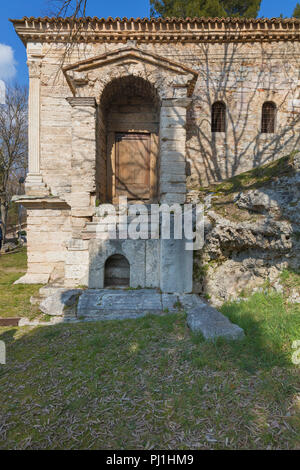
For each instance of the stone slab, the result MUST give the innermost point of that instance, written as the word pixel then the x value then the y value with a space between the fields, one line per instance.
pixel 50 289
pixel 211 323
pixel 176 267
pixel 121 304
pixel 118 304
pixel 171 303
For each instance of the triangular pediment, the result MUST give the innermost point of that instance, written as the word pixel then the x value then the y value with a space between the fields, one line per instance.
pixel 77 73
pixel 125 54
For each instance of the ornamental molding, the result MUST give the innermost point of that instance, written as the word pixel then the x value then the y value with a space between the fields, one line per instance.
pixel 101 69
pixel 82 101
pixel 34 67
pixel 160 30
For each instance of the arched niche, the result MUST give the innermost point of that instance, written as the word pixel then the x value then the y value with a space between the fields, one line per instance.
pixel 117 271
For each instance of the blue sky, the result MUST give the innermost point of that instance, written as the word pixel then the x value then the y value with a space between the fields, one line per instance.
pixel 12 51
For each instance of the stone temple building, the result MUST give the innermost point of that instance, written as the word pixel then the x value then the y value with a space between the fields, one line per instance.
pixel 151 109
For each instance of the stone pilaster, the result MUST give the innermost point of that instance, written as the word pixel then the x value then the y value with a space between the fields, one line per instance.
pixel 172 150
pixel 34 182
pixel 83 177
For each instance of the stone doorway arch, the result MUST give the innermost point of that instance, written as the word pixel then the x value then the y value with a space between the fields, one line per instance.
pixel 88 80
pixel 128 138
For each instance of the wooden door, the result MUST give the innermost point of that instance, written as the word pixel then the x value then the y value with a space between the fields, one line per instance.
pixel 133 165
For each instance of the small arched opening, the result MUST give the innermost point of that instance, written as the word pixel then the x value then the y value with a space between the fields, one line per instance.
pixel 218 117
pixel 117 272
pixel 268 117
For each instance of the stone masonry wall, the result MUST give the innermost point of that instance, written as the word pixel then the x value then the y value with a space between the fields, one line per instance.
pixel 242 75
pixel 48 230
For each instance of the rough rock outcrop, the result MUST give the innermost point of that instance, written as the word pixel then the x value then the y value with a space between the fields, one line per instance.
pixel 243 254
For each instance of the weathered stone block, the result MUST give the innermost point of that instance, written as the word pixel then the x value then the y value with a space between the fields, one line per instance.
pixel 176 266
pixel 212 324
pixel 61 303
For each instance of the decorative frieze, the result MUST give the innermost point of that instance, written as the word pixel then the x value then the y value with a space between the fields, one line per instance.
pixel 161 30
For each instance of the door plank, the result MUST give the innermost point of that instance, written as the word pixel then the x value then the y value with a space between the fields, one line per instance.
pixel 133 165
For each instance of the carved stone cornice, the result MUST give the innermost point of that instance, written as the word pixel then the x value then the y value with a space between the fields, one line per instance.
pixel 40 201
pixel 157 29
pixel 81 101
pixel 176 102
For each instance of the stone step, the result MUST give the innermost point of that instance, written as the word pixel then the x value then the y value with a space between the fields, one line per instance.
pixel 120 304
pixel 122 210
pixel 106 226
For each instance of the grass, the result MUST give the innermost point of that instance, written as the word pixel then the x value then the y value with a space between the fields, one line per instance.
pixel 151 384
pixel 271 323
pixel 14 299
pixel 290 279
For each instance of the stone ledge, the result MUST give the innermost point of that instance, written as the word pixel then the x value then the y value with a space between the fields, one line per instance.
pixel 33 279
pixel 41 200
pixel 81 101
pixel 73 305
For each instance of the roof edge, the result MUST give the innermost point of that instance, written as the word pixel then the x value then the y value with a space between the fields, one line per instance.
pixel 158 20
pixel 88 29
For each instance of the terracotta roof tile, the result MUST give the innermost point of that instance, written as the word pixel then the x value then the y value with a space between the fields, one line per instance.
pixel 204 20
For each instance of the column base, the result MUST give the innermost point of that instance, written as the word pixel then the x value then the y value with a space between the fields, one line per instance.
pixel 34 185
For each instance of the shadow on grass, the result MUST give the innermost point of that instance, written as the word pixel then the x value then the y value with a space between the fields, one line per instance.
pixel 270 328
pixel 103 381
pixel 271 325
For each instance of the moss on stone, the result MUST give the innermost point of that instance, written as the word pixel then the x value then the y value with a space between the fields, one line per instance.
pixel 253 179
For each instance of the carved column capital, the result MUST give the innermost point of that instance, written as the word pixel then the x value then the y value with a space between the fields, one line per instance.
pixel 34 68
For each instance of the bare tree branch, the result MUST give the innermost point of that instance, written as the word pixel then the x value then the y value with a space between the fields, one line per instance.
pixel 69 8
pixel 13 145
pixel 76 12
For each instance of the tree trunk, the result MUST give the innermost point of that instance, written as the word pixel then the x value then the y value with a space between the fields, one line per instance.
pixel 3 217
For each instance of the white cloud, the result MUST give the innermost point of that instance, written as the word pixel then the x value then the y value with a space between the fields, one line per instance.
pixel 7 62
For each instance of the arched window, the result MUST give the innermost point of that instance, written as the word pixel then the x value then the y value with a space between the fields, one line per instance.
pixel 268 117
pixel 218 117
